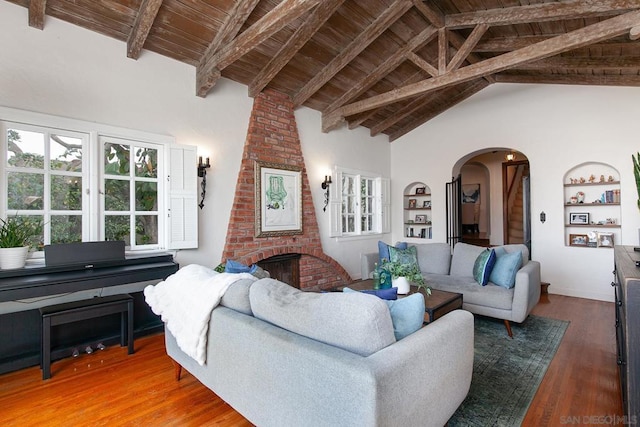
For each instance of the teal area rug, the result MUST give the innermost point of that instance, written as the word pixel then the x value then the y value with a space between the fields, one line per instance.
pixel 507 372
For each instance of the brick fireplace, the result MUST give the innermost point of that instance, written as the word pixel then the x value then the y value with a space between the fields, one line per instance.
pixel 273 137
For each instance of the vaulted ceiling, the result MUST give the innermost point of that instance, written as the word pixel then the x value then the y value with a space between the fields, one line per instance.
pixel 388 65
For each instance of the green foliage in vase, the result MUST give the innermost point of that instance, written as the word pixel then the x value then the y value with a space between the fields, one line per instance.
pixel 636 173
pixel 18 231
pixel 410 271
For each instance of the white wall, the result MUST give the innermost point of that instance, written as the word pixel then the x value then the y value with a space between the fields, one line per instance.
pixel 556 127
pixel 67 71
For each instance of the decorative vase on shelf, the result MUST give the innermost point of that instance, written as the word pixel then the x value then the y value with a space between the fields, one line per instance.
pixel 402 284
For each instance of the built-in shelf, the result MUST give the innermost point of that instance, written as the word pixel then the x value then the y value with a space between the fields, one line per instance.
pixel 417 207
pixel 595 206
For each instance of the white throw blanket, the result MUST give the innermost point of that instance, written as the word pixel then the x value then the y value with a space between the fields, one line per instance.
pixel 185 301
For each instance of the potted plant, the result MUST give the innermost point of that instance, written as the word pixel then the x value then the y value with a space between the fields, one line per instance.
pixel 16 234
pixel 409 272
pixel 636 173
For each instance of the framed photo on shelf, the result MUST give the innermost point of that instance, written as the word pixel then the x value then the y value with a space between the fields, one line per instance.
pixel 421 190
pixel 605 240
pixel 578 239
pixel 421 219
pixel 412 203
pixel 576 218
pixel 426 204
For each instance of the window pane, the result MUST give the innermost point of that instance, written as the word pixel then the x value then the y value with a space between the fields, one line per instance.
pixel 146 229
pixel 147 162
pixel 351 226
pixel 66 193
pixel 66 228
pixel 116 196
pixel 116 159
pixel 146 196
pixel 36 242
pixel 25 149
pixel 66 153
pixel 116 227
pixel 25 191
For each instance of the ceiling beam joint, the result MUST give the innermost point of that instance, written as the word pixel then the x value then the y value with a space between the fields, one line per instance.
pixel 141 27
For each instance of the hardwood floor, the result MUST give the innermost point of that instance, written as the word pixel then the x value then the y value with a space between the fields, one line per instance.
pixel 111 388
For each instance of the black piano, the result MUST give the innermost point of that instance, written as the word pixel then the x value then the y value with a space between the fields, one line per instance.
pixel 69 270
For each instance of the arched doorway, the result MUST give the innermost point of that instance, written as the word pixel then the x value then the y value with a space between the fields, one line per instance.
pixel 494 200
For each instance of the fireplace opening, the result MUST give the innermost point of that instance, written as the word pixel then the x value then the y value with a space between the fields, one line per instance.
pixel 285 268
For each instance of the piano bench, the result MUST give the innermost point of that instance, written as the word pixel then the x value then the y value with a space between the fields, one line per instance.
pixel 75 311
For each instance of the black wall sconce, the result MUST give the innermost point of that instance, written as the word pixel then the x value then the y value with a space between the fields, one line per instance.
pixel 202 173
pixel 325 186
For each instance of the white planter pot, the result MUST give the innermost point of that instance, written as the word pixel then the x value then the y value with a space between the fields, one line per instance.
pixel 402 284
pixel 11 258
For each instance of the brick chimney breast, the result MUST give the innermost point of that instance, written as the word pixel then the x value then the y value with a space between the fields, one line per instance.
pixel 272 137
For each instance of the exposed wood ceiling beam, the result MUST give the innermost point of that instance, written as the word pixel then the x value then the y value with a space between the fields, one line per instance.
pixel 207 73
pixel 573 79
pixel 141 27
pixel 603 30
pixel 443 50
pixel 36 13
pixel 361 118
pixel 458 41
pixel 450 102
pixel 634 33
pixel 360 43
pixel 434 16
pixel 383 69
pixel 302 35
pixel 467 47
pixel 575 63
pixel 428 68
pixel 539 13
pixel 236 18
pixel 507 44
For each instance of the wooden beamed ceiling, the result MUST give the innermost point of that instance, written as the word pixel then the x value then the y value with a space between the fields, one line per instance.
pixel 388 65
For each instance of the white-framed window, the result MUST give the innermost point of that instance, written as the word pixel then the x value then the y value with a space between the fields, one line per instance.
pixel 359 203
pixel 91 182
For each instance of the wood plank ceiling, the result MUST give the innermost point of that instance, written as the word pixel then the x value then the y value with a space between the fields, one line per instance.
pixel 388 65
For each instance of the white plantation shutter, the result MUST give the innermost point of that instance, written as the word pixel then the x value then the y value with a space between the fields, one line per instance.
pixel 384 213
pixel 182 196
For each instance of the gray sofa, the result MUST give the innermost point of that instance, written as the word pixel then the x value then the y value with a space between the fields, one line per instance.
pixel 454 272
pixel 283 357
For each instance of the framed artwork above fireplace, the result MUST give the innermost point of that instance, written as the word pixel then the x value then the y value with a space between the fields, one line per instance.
pixel 278 199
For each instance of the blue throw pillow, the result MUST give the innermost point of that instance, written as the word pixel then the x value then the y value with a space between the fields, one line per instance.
pixel 483 266
pixel 383 250
pixel 505 269
pixel 232 266
pixel 386 294
pixel 404 256
pixel 407 314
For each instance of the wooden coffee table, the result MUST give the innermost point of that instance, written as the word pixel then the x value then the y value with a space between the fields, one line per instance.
pixel 436 305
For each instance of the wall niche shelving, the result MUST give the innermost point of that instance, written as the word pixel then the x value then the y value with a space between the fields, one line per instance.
pixel 592 206
pixel 417 211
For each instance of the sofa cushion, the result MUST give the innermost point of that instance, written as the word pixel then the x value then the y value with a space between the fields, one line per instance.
pixel 464 258
pixel 407 256
pixel 506 267
pixel 483 266
pixel 407 314
pixel 383 250
pixel 237 296
pixel 489 296
pixel 434 257
pixel 355 322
